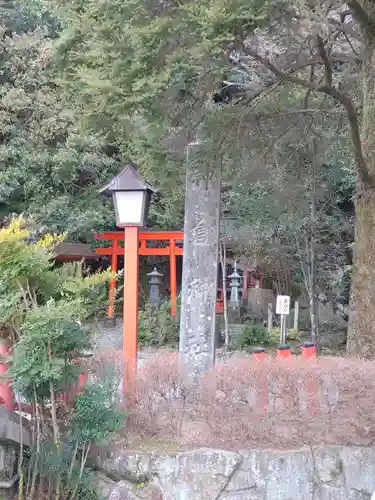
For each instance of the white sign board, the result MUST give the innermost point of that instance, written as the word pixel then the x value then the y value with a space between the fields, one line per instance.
pixel 282 304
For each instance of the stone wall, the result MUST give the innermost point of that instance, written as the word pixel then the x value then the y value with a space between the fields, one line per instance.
pixel 329 473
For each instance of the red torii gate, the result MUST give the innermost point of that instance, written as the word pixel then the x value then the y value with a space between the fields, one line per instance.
pixel 172 250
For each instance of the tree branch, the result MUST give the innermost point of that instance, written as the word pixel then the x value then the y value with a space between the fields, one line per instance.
pixel 307 111
pixel 362 17
pixel 282 75
pixel 347 29
pixel 327 63
pixel 346 102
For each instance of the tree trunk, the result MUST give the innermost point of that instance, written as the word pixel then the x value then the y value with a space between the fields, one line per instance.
pixel 312 242
pixel 361 331
pixel 223 262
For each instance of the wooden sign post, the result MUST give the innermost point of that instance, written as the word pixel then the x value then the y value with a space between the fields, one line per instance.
pixel 282 309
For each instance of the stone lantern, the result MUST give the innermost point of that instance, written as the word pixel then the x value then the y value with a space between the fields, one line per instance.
pixel 155 281
pixel 234 283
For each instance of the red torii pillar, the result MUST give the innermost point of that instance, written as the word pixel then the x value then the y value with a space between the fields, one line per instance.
pixel 6 392
pixel 173 276
pixel 112 283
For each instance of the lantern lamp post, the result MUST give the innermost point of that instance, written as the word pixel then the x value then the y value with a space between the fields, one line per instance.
pixel 131 198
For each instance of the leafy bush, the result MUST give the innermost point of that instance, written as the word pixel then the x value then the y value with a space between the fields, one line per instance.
pixel 43 309
pixel 252 334
pixel 291 334
pixel 255 334
pixel 157 327
pixel 92 418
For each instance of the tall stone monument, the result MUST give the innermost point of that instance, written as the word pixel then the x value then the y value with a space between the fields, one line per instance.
pixel 200 262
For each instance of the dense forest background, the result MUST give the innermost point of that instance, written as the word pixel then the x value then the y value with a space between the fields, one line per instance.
pixel 272 86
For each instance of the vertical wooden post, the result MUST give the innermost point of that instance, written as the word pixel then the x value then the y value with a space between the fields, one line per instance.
pixel 283 329
pixel 112 283
pixel 245 282
pixel 173 276
pixel 296 313
pixel 269 317
pixel 130 339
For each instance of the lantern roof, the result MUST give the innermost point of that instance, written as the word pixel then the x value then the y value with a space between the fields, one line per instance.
pixel 235 275
pixel 129 179
pixel 155 273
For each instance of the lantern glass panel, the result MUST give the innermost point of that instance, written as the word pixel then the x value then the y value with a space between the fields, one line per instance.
pixel 130 207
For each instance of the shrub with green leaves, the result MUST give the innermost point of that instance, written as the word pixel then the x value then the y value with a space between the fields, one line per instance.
pixel 43 308
pixel 252 334
pixel 157 327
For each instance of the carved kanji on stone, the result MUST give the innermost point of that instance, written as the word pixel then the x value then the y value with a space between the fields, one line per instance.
pixel 200 233
pixel 199 276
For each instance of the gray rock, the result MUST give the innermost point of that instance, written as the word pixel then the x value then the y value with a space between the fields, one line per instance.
pixel 242 495
pixel 326 492
pixel 328 466
pixel 127 491
pixel 283 475
pixel 359 468
pixel 201 474
pixel 242 480
pixel 182 476
pixel 105 485
pixel 322 473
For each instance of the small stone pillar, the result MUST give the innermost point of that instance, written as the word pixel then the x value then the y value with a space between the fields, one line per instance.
pixel 155 282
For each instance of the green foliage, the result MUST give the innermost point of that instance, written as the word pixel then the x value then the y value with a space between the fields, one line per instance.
pixel 170 49
pixel 44 329
pixel 87 487
pixel 50 170
pixel 157 327
pixel 160 80
pixel 33 291
pixel 42 309
pixel 252 334
pixel 93 419
pixel 52 462
pixel 291 334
